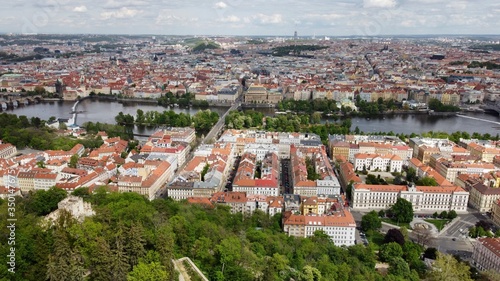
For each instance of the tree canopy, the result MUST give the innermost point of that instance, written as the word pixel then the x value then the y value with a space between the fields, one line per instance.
pixel 402 211
pixel 371 221
pixel 133 238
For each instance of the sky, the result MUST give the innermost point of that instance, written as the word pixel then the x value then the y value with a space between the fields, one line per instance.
pixel 252 17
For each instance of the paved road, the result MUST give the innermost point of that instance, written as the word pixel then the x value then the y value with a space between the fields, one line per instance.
pixel 218 126
pixel 212 134
pixel 461 245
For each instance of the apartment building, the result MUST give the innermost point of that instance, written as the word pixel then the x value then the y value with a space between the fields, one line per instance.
pixel 44 181
pixel 380 162
pixel 7 150
pixel 423 198
pixel 483 197
pixel 340 227
pixel 486 254
pixel 495 213
pixel 240 202
pixel 258 177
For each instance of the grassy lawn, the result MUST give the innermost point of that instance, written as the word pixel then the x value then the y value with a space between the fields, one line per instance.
pixel 391 221
pixel 438 223
pixel 375 238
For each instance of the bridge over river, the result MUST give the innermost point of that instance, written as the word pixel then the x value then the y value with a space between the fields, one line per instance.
pixel 491 107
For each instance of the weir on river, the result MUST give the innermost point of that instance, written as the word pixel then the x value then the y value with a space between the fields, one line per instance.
pixel 72 120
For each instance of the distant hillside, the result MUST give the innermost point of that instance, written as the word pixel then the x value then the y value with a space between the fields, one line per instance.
pixel 295 50
pixel 200 47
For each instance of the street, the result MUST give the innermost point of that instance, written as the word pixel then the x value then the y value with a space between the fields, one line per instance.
pixel 450 240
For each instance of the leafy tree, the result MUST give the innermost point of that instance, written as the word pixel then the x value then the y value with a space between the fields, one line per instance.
pixel 390 251
pixel 402 210
pixel 431 253
pixel 119 260
pixel 135 244
pixel 101 260
pixel 411 175
pixel 427 181
pixel 446 267
pixel 140 118
pixel 148 272
pixel 371 221
pixel 275 267
pixel 43 202
pixel 399 267
pixel 310 273
pixel 204 120
pixel 81 192
pixel 73 161
pixel 484 224
pixel 404 231
pixel 443 215
pixel 394 235
pixel 64 263
pixel 411 252
pixel 165 239
pixel 229 251
pixel 316 118
pixel 381 213
pixel 452 214
pixel 204 171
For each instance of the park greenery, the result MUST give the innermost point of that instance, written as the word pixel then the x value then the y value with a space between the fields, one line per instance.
pixel 132 238
pixel 33 133
pixel 202 121
pixel 402 211
pixel 187 99
pixel 112 131
pixel 307 106
pixel 367 108
pixel 487 65
pixel 438 106
pixel 295 50
pixel 285 123
pixel 371 222
pixel 202 46
pixel 483 229
pixel 376 180
pixel 311 170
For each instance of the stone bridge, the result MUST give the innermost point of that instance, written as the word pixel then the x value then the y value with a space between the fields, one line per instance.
pixel 491 107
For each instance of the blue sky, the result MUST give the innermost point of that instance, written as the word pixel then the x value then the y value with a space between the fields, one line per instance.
pixel 256 17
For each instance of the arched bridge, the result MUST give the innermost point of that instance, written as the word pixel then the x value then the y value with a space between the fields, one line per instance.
pixel 491 107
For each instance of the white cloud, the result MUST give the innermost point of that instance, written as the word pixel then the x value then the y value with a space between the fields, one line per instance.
pixel 269 19
pixel 379 3
pixel 220 5
pixel 231 18
pixel 120 14
pixel 80 9
pixel 167 17
pixel 115 4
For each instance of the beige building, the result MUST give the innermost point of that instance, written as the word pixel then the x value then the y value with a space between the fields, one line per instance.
pixel 423 198
pixel 7 150
pixel 495 213
pixel 340 227
pixel 259 94
pixel 486 254
pixel 380 162
pixel 26 181
pixel 486 154
pixel 483 197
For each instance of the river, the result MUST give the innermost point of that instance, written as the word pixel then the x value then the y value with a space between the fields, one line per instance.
pixel 105 111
